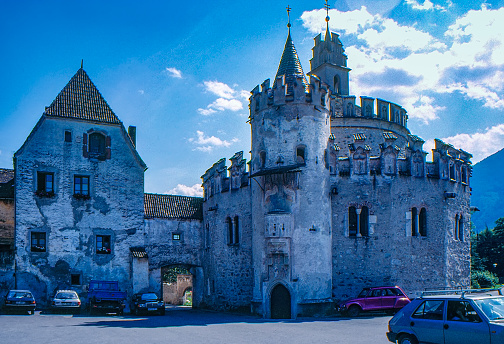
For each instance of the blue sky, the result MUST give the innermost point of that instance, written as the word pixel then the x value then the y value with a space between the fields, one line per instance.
pixel 182 72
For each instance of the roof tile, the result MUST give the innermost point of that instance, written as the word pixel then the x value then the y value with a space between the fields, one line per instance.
pixel 173 207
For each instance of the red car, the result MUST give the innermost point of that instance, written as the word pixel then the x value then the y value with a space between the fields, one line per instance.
pixel 388 299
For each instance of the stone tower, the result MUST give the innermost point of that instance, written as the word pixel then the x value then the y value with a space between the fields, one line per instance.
pixel 329 62
pixel 291 213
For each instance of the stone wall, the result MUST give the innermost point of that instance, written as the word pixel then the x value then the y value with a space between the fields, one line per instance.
pixel 72 225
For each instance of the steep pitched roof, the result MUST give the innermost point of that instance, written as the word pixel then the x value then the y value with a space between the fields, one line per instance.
pixel 289 66
pixel 173 207
pixel 80 99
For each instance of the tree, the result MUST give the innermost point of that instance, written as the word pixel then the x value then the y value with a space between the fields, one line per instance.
pixel 487 255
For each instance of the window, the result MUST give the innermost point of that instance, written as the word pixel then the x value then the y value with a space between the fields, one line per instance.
pixel 414 223
pixel 38 242
pixel 430 309
pixel 45 184
pixel 422 222
pixel 337 85
pixel 81 185
pixel 68 136
pixel 75 279
pixel 103 244
pixel 461 228
pixel 452 172
pixel 262 156
pixel 456 228
pixel 364 221
pixel 352 222
pixel 236 231
pixel 462 311
pixel 300 155
pixel 176 236
pixel 96 144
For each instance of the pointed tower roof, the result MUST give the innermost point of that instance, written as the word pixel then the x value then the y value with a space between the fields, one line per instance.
pixel 80 99
pixel 289 66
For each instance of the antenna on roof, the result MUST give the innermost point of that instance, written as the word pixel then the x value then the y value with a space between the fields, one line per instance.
pixel 288 15
pixel 82 63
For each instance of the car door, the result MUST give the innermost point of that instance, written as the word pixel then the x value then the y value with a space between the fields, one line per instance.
pixel 389 297
pixel 466 327
pixel 427 321
pixel 373 300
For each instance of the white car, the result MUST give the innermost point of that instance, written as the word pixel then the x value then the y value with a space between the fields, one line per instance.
pixel 66 300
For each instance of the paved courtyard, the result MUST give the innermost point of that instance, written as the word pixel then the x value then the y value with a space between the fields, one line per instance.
pixel 189 326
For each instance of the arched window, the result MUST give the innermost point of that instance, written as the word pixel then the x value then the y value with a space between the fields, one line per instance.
pixel 349 109
pixel 369 111
pixel 352 222
pixel 464 175
pixel 300 155
pixel 452 172
pixel 337 85
pixel 461 228
pixel 422 222
pixel 236 238
pixel 414 223
pixel 364 221
pixel 229 226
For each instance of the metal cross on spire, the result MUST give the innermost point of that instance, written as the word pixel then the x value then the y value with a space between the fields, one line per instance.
pixel 288 15
pixel 327 7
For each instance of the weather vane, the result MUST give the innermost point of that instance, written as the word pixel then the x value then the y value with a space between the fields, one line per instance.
pixel 288 15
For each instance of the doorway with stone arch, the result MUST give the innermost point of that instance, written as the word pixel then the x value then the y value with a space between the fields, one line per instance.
pixel 178 281
pixel 280 302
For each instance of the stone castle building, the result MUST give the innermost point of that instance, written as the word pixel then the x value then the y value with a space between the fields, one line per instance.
pixel 337 195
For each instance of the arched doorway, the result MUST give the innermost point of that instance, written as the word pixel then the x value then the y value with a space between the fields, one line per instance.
pixel 177 285
pixel 280 302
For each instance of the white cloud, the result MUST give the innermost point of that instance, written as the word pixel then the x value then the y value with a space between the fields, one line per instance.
pixel 468 59
pixel 208 143
pixel 481 144
pixel 425 6
pixel 142 92
pixel 195 191
pixel 174 72
pixel 228 98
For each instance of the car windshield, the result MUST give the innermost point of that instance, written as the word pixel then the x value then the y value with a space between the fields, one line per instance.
pixel 19 295
pixel 65 295
pixel 364 292
pixel 149 297
pixel 493 308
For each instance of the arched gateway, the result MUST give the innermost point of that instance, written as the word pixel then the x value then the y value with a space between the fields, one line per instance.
pixel 280 303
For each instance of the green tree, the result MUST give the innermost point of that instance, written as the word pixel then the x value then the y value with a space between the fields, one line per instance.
pixel 487 255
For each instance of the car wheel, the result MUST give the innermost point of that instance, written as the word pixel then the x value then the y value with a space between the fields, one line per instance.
pixel 354 311
pixel 407 339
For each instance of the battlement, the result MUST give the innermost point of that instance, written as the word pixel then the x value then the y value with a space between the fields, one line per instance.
pixel 287 92
pixel 217 180
pixel 344 106
pixel 407 160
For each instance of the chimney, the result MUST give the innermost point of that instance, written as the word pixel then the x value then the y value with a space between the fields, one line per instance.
pixel 132 134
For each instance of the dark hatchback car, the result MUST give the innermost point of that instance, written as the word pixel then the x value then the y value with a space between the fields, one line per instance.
pixel 148 303
pixel 388 299
pixel 20 301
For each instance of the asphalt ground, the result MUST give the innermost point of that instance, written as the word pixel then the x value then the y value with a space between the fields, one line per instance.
pixel 181 325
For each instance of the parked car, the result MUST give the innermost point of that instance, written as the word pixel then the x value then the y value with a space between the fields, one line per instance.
pixel 66 300
pixel 20 301
pixel 388 299
pixel 451 317
pixel 148 303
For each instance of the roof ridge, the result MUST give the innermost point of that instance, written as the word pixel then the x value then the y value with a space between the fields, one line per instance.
pixel 80 99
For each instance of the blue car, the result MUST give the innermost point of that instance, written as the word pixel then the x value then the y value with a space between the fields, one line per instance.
pixel 473 316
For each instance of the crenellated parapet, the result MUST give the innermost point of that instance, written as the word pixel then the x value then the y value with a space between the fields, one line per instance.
pixel 216 179
pixel 282 93
pixel 393 155
pixel 450 163
pixel 345 106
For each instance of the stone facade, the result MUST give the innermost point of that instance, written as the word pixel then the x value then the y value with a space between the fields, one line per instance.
pixel 337 196
pixel 340 197
pixel 79 197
